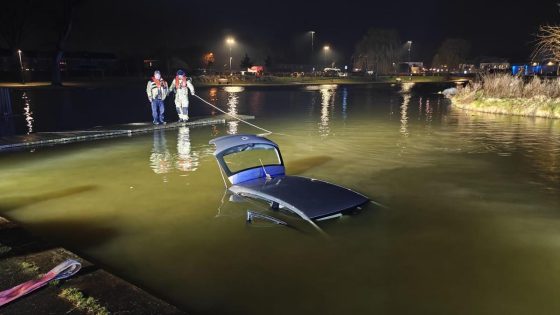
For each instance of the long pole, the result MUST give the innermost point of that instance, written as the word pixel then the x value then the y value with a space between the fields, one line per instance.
pixel 21 67
pixel 409 59
pixel 312 49
pixel 312 35
pixel 230 72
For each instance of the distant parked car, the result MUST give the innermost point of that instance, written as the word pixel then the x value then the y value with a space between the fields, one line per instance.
pixel 331 72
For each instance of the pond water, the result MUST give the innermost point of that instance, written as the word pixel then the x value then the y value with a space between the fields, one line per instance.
pixel 470 225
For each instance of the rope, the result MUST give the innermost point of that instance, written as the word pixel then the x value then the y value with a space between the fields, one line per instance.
pixel 378 204
pixel 301 214
pixel 233 116
pixel 221 173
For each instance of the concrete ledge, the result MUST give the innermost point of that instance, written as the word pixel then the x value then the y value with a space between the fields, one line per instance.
pixel 24 257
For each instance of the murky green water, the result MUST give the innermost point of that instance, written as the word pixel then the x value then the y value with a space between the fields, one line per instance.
pixel 472 224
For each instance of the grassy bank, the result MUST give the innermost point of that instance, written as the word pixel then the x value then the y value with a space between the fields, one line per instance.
pixel 506 94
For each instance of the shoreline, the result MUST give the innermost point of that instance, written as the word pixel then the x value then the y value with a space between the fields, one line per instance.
pixel 533 107
pixel 278 82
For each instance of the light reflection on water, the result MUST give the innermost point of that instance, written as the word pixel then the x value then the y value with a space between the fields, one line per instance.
pixel 344 103
pixel 185 160
pixel 327 101
pixel 429 112
pixel 404 115
pixel 406 87
pixel 213 98
pixel 232 103
pixel 27 113
pixel 160 158
pixel 473 199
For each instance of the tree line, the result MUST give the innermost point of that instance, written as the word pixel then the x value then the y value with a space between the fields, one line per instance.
pixel 17 17
pixel 381 50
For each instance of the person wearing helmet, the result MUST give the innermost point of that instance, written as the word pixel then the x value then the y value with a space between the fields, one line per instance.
pixel 157 91
pixel 181 85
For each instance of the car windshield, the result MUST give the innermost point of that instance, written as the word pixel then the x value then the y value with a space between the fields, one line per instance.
pixel 251 156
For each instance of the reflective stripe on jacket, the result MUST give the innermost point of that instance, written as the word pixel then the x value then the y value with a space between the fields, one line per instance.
pixel 155 92
pixel 181 91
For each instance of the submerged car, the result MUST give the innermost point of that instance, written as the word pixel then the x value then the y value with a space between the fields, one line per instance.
pixel 255 168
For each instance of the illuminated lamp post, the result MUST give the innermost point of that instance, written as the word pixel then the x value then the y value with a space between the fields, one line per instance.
pixel 21 66
pixel 230 41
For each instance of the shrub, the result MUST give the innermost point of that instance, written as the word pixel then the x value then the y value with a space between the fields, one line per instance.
pixel 508 86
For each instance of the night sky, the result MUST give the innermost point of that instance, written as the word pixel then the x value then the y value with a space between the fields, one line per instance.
pixel 500 29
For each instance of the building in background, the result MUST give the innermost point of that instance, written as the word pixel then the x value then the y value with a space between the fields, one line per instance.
pixel 494 65
pixel 411 67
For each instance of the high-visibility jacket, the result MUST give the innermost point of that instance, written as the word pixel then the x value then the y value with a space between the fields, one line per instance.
pixel 157 89
pixel 181 88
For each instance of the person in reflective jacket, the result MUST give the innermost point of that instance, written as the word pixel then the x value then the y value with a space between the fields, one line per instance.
pixel 157 91
pixel 181 85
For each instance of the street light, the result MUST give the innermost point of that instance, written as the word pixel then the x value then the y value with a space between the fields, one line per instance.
pixel 312 38
pixel 409 60
pixel 409 48
pixel 326 48
pixel 312 48
pixel 230 41
pixel 21 67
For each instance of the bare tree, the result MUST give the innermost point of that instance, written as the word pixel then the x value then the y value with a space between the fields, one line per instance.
pixel 246 62
pixel 63 28
pixel 14 22
pixel 378 50
pixel 548 43
pixel 13 18
pixel 452 53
